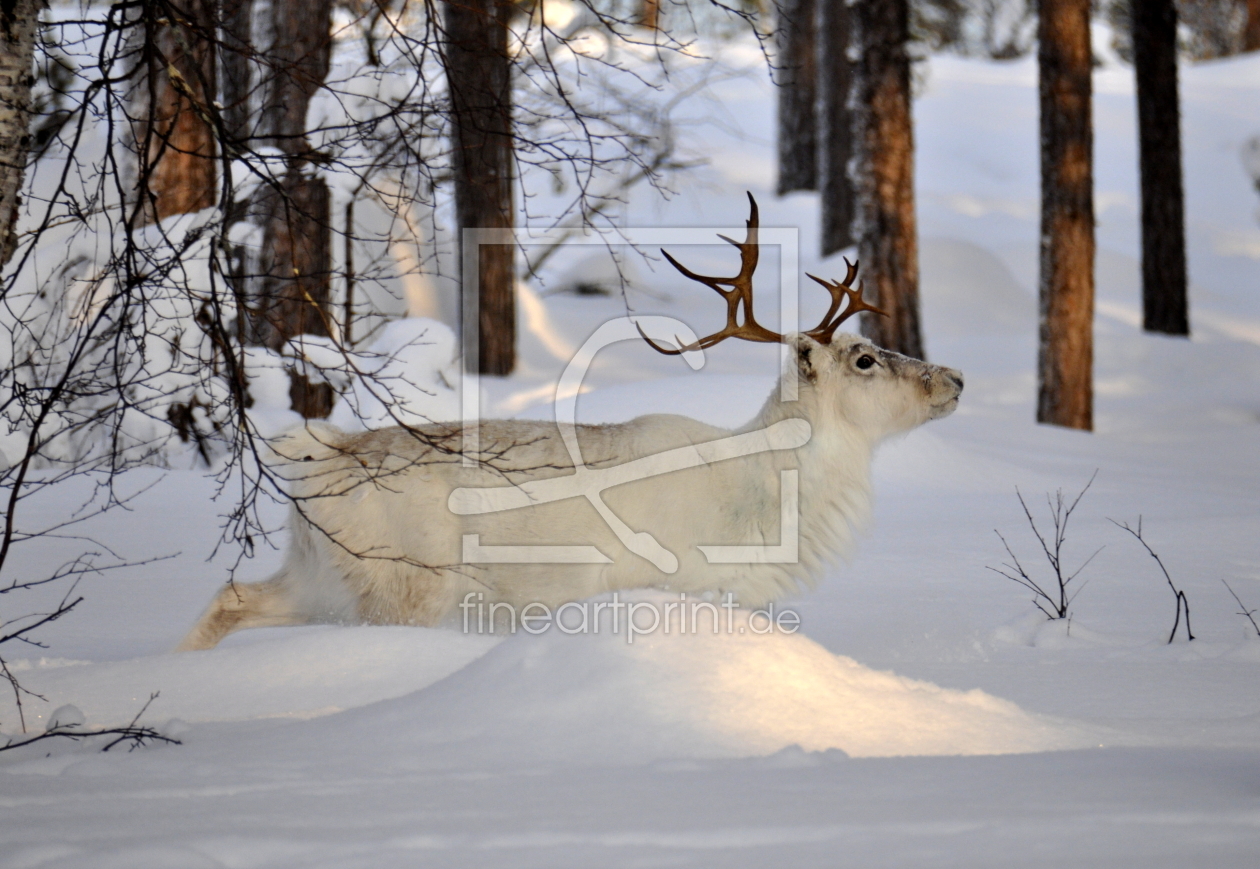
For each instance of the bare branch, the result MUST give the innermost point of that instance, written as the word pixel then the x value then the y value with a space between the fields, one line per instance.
pixel 1243 611
pixel 1182 602
pixel 1056 597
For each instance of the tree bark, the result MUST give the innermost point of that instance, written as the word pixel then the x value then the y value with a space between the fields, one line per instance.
pixel 236 78
pixel 1066 358
pixel 177 148
pixel 650 14
pixel 1251 35
pixel 19 20
pixel 235 62
pixel 1164 305
pixel 296 260
pixel 884 142
pixel 797 37
pixel 835 146
pixel 479 74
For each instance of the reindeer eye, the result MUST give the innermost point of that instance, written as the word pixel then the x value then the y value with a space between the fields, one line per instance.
pixel 865 361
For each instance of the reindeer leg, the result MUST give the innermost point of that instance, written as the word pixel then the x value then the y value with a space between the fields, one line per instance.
pixel 243 605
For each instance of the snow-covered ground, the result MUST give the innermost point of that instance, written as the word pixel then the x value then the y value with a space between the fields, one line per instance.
pixel 925 714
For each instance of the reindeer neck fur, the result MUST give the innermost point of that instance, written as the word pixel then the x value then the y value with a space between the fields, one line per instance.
pixel 834 474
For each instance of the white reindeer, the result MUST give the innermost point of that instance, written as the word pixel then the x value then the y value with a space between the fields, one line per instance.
pixel 375 539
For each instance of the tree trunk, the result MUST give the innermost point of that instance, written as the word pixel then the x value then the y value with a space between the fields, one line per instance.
pixel 297 267
pixel 479 74
pixel 835 146
pixel 1251 35
pixel 1066 358
pixel 798 95
pixel 884 142
pixel 18 23
pixel 650 14
pixel 236 53
pixel 235 62
pixel 296 264
pixel 1164 306
pixel 177 149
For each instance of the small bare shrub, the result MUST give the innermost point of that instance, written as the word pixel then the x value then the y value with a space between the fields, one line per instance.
pixel 1052 598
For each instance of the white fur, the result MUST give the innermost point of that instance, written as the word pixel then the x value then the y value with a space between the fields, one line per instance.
pixel 374 541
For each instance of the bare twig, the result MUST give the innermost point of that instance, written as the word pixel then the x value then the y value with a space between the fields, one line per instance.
pixel 1181 601
pixel 1052 599
pixel 132 733
pixel 1243 611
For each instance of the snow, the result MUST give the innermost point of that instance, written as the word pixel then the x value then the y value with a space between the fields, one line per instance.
pixel 405 377
pixel 925 714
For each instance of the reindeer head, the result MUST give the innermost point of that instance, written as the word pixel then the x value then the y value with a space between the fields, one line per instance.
pixel 869 388
pixel 845 376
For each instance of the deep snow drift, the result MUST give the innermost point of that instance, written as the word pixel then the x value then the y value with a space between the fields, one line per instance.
pixel 436 748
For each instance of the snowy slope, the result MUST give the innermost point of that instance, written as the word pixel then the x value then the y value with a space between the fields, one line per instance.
pixel 401 747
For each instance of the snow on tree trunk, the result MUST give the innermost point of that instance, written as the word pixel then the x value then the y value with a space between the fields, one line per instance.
pixel 1066 357
pixel 798 95
pixel 884 144
pixel 296 260
pixel 479 73
pixel 1164 306
pixel 18 22
pixel 177 145
pixel 835 146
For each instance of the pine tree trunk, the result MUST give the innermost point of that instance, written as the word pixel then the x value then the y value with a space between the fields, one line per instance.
pixel 296 260
pixel 1164 305
pixel 1066 358
pixel 177 148
pixel 884 143
pixel 237 29
pixel 19 20
pixel 650 14
pixel 798 95
pixel 835 146
pixel 1251 35
pixel 236 77
pixel 479 73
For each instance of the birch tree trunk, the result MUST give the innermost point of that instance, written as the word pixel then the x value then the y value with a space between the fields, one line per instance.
pixel 1164 305
pixel 177 146
pixel 835 146
pixel 296 261
pixel 479 74
pixel 19 21
pixel 797 36
pixel 884 143
pixel 1066 358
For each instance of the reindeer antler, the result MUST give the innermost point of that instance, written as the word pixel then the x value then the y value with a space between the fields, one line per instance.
pixel 740 295
pixel 841 292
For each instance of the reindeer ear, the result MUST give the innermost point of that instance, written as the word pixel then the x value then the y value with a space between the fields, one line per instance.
pixel 806 351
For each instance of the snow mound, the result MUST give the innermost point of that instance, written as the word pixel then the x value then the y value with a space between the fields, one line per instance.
pixel 290 673
pixel 968 290
pixel 598 698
